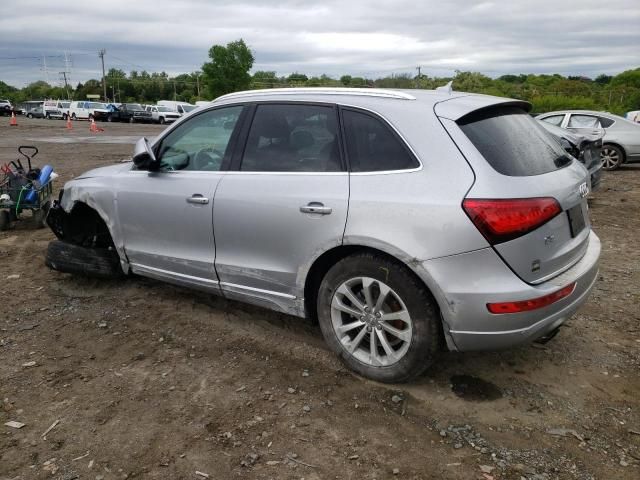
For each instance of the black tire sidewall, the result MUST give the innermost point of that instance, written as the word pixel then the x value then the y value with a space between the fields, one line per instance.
pixel 425 342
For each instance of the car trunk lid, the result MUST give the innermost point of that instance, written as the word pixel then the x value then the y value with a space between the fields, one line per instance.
pixel 514 158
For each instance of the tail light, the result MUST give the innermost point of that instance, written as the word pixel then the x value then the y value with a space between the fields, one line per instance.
pixel 532 304
pixel 502 220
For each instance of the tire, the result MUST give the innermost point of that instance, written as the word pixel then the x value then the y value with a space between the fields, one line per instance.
pixel 407 297
pixel 47 116
pixel 91 262
pixel 109 119
pixel 29 115
pixel 5 220
pixel 73 117
pixel 131 120
pixel 612 157
pixel 162 121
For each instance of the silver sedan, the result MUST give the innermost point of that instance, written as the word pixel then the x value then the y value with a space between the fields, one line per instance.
pixel 621 142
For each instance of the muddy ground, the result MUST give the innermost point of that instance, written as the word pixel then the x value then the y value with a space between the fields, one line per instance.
pixel 151 381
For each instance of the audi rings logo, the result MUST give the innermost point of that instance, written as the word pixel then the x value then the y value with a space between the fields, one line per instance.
pixel 583 189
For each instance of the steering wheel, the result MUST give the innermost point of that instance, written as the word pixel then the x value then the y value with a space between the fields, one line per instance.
pixel 207 158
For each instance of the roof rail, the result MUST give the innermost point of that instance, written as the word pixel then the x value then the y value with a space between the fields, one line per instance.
pixel 368 92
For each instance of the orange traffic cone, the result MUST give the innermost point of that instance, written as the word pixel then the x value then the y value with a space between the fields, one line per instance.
pixel 14 121
pixel 93 128
pixel 69 124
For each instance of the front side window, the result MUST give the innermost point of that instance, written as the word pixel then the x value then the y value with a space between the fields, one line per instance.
pixel 201 143
pixel 372 146
pixel 554 120
pixel 292 138
pixel 583 121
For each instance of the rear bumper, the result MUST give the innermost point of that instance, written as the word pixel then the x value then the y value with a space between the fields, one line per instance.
pixel 469 281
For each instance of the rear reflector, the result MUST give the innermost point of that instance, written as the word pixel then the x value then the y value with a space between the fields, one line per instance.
pixel 533 304
pixel 502 220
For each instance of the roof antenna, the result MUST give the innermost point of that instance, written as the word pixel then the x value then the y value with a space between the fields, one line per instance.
pixel 446 88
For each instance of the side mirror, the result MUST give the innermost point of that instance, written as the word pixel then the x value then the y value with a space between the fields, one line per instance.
pixel 143 156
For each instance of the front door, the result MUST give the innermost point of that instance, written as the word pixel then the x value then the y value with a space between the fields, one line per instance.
pixel 284 203
pixel 166 216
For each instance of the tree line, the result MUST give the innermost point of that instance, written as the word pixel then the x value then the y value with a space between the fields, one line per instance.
pixel 229 66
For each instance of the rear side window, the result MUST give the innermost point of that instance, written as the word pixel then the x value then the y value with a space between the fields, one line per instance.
pixel 606 122
pixel 372 146
pixel 513 143
pixel 583 121
pixel 554 120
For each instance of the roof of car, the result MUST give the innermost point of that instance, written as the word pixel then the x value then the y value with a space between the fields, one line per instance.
pixel 451 104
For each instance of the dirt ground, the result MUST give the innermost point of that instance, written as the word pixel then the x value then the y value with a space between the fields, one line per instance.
pixel 150 381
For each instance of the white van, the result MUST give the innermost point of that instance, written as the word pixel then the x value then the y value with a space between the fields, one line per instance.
pixel 87 110
pixel 55 108
pixel 179 107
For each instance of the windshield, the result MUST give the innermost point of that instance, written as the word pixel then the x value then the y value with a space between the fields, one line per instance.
pixel 164 109
pixel 96 105
pixel 134 106
pixel 65 104
pixel 188 108
pixel 513 143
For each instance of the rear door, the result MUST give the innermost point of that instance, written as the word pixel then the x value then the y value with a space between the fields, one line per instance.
pixel 515 158
pixel 285 203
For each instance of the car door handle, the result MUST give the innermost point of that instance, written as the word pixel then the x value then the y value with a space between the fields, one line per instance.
pixel 316 207
pixel 197 199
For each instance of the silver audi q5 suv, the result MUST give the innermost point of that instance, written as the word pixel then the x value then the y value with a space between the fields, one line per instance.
pixel 406 222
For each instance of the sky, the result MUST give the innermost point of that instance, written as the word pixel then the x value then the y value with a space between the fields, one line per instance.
pixel 369 38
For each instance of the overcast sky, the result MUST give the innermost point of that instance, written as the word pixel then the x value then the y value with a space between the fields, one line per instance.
pixel 369 38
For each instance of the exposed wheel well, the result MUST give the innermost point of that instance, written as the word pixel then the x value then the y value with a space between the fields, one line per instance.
pixel 620 147
pixel 325 261
pixel 84 226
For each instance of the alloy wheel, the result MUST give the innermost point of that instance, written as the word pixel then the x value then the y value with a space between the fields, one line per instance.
pixel 371 321
pixel 610 158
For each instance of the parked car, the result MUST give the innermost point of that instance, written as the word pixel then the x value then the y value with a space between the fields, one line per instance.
pixel 35 112
pixel 133 112
pixel 621 142
pixel 162 115
pixel 584 146
pixel 81 110
pixel 180 107
pixel 633 116
pixel 5 107
pixel 405 222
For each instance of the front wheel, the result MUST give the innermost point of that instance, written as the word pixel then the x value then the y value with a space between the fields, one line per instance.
pixel 611 157
pixel 377 316
pixel 162 121
pixel 29 115
pixel 131 120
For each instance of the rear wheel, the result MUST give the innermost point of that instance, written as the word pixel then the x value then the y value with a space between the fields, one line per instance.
pixel 92 262
pixel 73 117
pixel 130 119
pixel 29 115
pixel 378 318
pixel 162 121
pixel 611 157
pixel 109 119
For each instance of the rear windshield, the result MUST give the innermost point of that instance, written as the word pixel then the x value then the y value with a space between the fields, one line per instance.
pixel 513 143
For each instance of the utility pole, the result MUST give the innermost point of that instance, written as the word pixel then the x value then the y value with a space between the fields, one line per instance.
pixel 198 83
pixel 104 81
pixel 66 84
pixel 419 68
